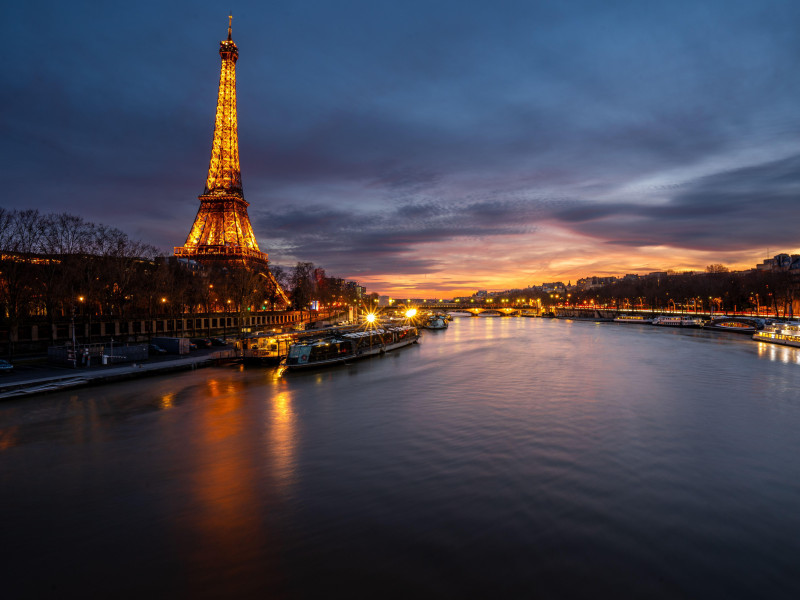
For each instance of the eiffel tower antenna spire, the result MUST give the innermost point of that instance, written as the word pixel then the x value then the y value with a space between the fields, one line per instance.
pixel 230 20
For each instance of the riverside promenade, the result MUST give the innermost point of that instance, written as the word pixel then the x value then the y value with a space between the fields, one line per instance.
pixel 39 377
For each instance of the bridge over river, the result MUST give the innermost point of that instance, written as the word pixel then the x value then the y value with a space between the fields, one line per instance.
pixel 535 310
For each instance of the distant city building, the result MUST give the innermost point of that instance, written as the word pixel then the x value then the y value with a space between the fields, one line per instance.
pixel 590 283
pixel 556 286
pixel 780 262
pixel 357 290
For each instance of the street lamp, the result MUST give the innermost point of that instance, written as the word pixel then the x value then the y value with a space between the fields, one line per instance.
pixel 227 316
pixel 74 344
pixel 89 314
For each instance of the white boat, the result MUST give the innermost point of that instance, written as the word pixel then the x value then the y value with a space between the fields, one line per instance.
pixel 633 319
pixel 436 322
pixel 786 334
pixel 682 321
pixel 342 347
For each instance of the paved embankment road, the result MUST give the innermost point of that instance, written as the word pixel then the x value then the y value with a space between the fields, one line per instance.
pixel 48 379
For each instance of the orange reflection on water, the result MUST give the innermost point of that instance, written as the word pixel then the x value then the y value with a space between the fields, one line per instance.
pixel 283 439
pixel 167 401
pixel 8 438
pixel 223 416
pixel 224 528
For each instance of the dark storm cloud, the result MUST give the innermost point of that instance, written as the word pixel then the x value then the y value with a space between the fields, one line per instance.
pixel 388 237
pixel 727 211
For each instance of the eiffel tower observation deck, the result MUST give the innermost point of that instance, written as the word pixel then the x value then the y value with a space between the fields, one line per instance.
pixel 221 229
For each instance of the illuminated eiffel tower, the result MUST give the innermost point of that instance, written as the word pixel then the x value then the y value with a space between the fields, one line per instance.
pixel 221 229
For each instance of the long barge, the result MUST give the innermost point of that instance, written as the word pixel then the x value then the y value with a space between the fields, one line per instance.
pixel 680 321
pixel 343 347
pixel 641 319
pixel 270 348
pixel 786 334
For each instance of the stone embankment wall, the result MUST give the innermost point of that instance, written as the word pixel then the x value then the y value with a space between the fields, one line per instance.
pixel 33 338
pixel 587 313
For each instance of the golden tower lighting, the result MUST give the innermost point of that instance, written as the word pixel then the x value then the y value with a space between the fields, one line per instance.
pixel 222 229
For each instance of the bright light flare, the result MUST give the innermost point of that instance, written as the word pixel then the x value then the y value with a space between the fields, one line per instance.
pixel 411 312
pixel 370 318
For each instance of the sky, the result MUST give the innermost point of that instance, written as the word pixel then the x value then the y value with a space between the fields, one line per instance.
pixel 424 148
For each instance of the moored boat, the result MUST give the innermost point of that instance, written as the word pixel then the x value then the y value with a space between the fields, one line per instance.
pixel 748 325
pixel 786 333
pixel 436 322
pixel 633 319
pixel 265 348
pixel 681 321
pixel 348 346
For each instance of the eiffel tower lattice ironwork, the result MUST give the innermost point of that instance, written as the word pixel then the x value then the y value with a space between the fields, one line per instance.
pixel 222 229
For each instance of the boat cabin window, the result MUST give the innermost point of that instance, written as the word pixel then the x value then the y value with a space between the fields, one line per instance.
pixel 329 350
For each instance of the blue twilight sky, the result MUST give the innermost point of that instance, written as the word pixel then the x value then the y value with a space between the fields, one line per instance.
pixel 423 147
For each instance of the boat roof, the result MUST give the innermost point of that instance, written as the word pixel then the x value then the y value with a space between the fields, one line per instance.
pixel 361 334
pixel 370 332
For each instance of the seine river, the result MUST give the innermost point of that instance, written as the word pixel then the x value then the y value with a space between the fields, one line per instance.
pixel 503 457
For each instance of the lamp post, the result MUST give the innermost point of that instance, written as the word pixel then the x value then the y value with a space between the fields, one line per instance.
pixel 74 343
pixel 89 315
pixel 227 316
pixel 208 308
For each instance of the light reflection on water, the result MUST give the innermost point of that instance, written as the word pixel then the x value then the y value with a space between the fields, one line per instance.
pixel 503 456
pixel 282 440
pixel 775 352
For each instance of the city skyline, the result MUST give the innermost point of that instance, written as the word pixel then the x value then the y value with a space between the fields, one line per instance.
pixel 424 150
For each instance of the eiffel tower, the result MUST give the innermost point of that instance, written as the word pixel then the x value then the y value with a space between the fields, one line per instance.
pixel 221 232
pixel 221 229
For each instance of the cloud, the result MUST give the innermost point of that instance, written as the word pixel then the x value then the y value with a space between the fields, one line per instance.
pixel 728 211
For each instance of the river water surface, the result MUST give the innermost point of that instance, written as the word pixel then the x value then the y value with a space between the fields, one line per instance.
pixel 503 457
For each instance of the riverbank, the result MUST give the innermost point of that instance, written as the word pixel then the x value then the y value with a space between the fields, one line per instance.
pixel 42 379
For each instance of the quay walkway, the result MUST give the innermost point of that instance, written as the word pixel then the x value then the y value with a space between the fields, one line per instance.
pixel 41 379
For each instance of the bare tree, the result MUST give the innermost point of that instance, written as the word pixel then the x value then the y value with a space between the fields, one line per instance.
pixel 21 238
pixel 65 245
pixel 275 284
pixel 302 282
